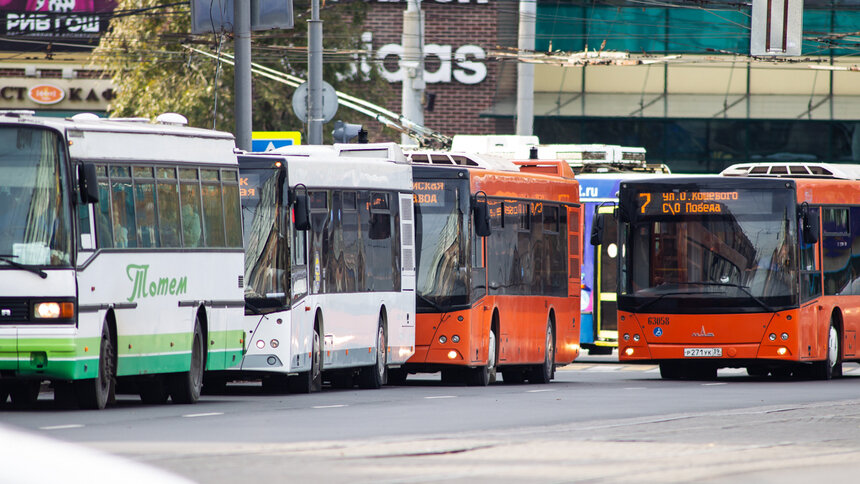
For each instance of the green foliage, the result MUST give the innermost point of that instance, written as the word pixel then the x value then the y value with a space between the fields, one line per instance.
pixel 146 52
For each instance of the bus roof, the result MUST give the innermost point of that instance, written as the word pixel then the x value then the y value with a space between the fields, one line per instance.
pixel 361 166
pixel 385 151
pixel 794 170
pixel 92 138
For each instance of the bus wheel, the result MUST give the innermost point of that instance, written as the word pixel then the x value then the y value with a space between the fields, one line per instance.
pixel 375 376
pixel 831 367
pixel 311 380
pixel 25 393
pixel 671 371
pixel 185 387
pixel 543 372
pixel 484 375
pixel 95 393
pixel 152 390
pixel 513 376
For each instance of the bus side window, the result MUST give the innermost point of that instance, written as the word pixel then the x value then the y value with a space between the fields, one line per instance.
pixel 189 196
pixel 122 199
pixel 810 266
pixel 144 204
pixel 168 207
pixel 232 208
pixel 104 228
pixel 213 213
pixel 84 227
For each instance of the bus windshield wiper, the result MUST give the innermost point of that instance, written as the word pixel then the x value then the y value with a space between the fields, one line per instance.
pixel 35 270
pixel 745 289
pixel 430 303
pixel 655 299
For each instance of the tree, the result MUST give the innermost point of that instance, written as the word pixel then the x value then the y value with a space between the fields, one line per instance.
pixel 146 53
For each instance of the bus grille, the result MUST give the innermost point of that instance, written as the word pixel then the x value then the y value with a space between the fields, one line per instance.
pixel 14 311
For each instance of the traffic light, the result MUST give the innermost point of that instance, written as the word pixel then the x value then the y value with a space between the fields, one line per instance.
pixel 345 132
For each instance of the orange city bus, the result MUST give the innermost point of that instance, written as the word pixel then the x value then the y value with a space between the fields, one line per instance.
pixel 498 251
pixel 758 270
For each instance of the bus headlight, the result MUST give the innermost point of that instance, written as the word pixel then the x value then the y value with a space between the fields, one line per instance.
pixel 626 336
pixel 772 337
pixel 629 351
pixel 274 343
pixel 261 344
pixel 784 336
pixel 635 337
pixel 782 351
pixel 54 310
pixel 443 339
pixel 455 339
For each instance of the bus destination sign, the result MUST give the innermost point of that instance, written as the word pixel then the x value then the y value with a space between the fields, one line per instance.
pixel 685 202
pixel 430 194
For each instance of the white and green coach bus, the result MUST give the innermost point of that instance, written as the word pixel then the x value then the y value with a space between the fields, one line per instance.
pixel 329 265
pixel 120 258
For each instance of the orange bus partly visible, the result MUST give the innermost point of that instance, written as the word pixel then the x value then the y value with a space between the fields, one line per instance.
pixel 758 270
pixel 498 283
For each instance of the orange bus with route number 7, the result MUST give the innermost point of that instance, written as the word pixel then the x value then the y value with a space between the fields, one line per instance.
pixel 758 268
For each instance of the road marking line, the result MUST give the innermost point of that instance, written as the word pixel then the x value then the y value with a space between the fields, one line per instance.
pixel 440 396
pixel 540 391
pixel 61 427
pixel 328 406
pixel 636 388
pixel 713 384
pixel 195 415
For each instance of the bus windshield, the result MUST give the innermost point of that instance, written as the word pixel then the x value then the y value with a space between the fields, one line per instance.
pixel 266 239
pixel 440 234
pixel 701 250
pixel 35 219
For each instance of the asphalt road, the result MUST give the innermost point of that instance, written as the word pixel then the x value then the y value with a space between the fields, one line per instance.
pixel 597 422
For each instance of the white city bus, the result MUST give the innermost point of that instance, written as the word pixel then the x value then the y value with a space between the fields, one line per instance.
pixel 120 257
pixel 329 265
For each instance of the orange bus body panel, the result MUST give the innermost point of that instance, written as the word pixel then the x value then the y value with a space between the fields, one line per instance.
pixel 522 318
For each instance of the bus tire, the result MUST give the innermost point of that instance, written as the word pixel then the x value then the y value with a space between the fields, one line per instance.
pixel 24 393
pixel 543 373
pixel 831 367
pixel 152 390
pixel 484 375
pixel 185 386
pixel 96 393
pixel 311 380
pixel 373 377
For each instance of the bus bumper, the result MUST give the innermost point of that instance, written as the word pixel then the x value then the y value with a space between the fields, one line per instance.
pixel 52 354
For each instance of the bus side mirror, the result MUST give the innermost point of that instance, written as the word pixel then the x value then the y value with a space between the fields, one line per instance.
pixel 301 214
pixel 811 223
pixel 597 228
pixel 87 184
pixel 481 213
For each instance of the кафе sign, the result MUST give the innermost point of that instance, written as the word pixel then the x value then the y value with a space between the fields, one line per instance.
pixel 18 93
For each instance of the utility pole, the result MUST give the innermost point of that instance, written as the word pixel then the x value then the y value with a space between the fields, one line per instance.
pixel 242 72
pixel 525 70
pixel 315 80
pixel 412 65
